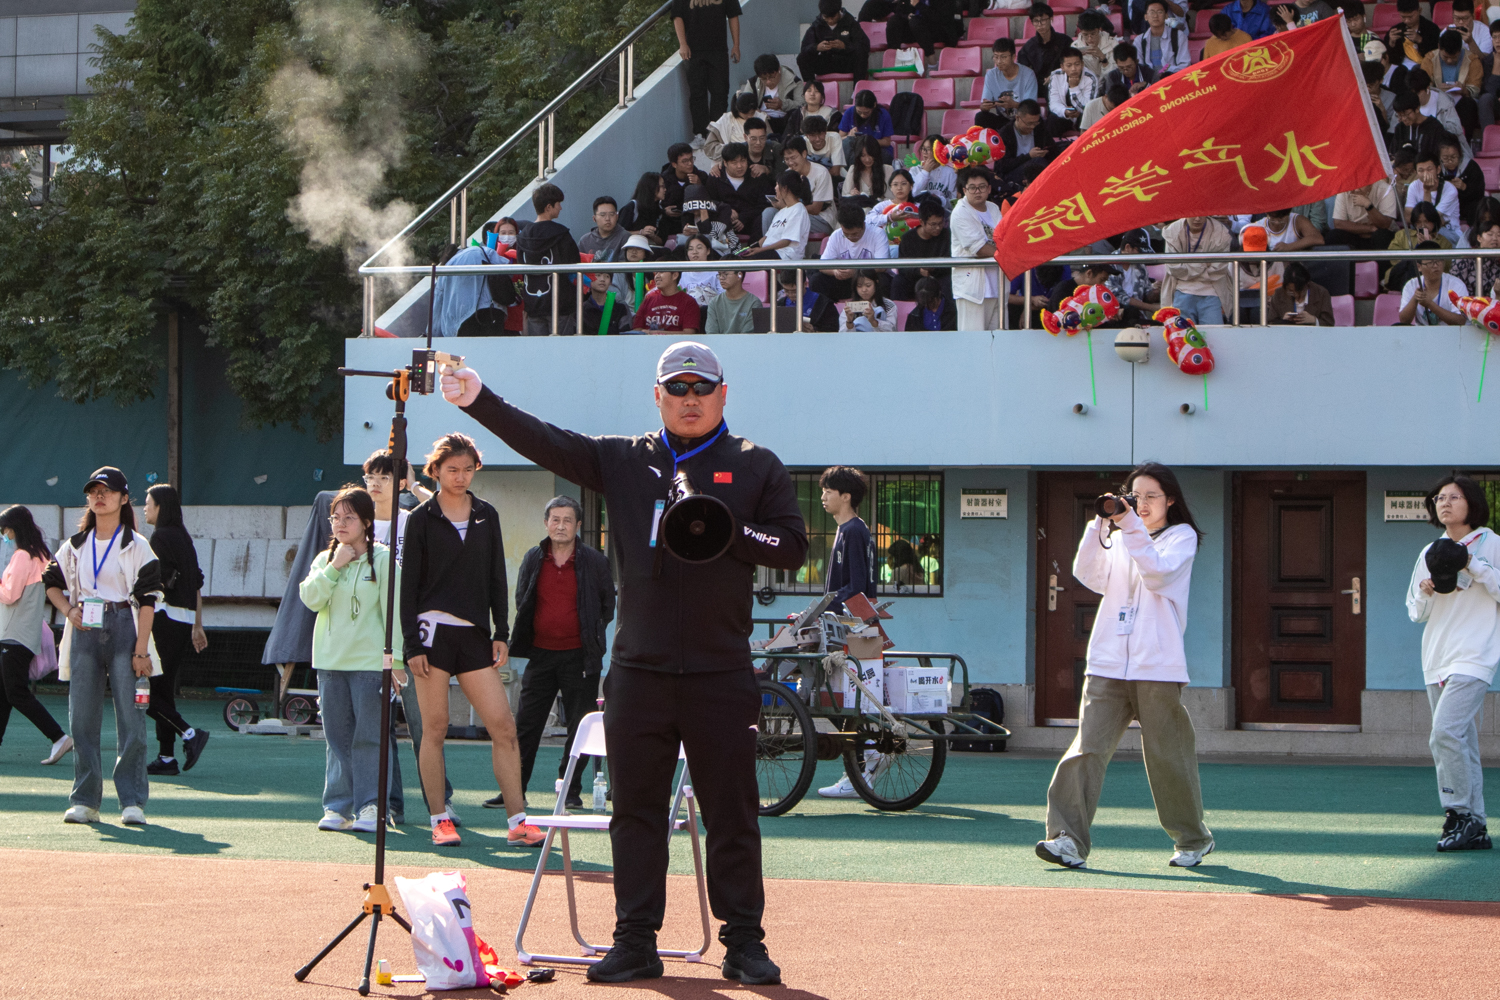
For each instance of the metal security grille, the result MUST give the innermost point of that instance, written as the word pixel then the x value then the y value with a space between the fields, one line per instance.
pixel 905 513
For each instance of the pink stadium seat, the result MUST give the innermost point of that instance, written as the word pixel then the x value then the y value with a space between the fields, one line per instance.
pixel 1057 26
pixel 1442 14
pixel 1118 21
pixel 976 90
pixel 903 310
pixel 956 121
pixel 887 68
pixel 1491 145
pixel 1343 310
pixel 1195 48
pixel 1366 279
pixel 1068 6
pixel 937 95
pixel 755 284
pixel 1387 309
pixel 1385 19
pixel 1200 24
pixel 826 78
pixel 983 31
pixel 957 62
pixel 1156 272
pixel 884 90
pixel 875 32
pixel 1491 170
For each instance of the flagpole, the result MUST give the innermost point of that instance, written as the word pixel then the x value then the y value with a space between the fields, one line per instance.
pixel 1380 145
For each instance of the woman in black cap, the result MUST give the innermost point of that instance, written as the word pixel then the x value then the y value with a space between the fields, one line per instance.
pixel 112 582
pixel 178 623
pixel 1455 591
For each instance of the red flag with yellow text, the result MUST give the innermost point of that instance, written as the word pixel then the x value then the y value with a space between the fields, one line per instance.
pixel 1279 122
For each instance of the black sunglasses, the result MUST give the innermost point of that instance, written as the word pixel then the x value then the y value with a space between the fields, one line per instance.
pixel 681 388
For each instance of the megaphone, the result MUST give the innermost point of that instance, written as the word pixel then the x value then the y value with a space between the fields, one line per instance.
pixel 695 528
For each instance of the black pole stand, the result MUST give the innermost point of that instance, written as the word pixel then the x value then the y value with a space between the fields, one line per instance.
pixel 377 901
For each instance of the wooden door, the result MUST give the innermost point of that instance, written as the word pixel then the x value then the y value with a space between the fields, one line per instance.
pixel 1299 582
pixel 1065 607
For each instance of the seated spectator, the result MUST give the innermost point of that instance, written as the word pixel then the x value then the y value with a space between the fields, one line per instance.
pixel 702 216
pixel 1024 309
pixel 730 126
pixel 1042 52
pixel 819 183
pixel 776 90
pixel 1069 90
pixel 1486 236
pixel 678 172
pixel 604 309
pixel 1367 217
pixel 865 117
pixel 1128 71
pixel 852 241
pixel 547 241
pixel 824 147
pixel 1287 230
pixel 1354 18
pixel 1226 36
pixel 1412 37
pixel 885 213
pixel 1456 69
pixel 733 311
pixel 744 197
pixel 935 311
pixel 1027 149
pixel 1305 12
pixel 1081 277
pixel 1138 295
pixel 1102 105
pixel 1204 293
pixel 1133 14
pixel 1424 299
pixel 636 250
pixel 1006 84
pixel 703 286
pixel 869 310
pixel 922 22
pixel 472 305
pixel 1095 42
pixel 668 309
pixel 971 235
pixel 1431 187
pixel 1393 71
pixel 1463 23
pixel 1300 300
pixel 643 213
pixel 1415 131
pixel 927 239
pixel 1163 47
pixel 868 173
pixel 607 237
pixel 1457 167
pixel 786 233
pixel 1252 17
pixel 814 105
pixel 1382 100
pixel 765 153
pixel 818 311
pixel 1404 166
pixel 834 43
pixel 1434 102
pixel 1423 226
pixel 506 231
pixel 933 178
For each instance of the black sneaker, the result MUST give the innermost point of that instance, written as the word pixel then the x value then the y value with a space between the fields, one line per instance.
pixel 622 965
pixel 751 965
pixel 162 766
pixel 498 802
pixel 574 802
pixel 1469 834
pixel 193 748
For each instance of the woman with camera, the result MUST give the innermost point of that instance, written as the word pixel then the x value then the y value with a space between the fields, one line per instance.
pixel 1138 553
pixel 22 627
pixel 1455 591
pixel 178 624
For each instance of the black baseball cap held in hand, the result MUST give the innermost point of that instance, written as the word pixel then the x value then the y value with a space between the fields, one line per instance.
pixel 1445 558
pixel 111 477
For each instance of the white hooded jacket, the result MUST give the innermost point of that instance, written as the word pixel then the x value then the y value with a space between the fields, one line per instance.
pixel 1463 628
pixel 1138 631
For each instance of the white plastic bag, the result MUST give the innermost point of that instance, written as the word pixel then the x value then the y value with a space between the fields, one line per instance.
pixel 442 935
pixel 910 58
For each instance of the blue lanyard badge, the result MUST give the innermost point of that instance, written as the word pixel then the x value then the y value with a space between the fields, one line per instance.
pixel 679 459
pixel 94 546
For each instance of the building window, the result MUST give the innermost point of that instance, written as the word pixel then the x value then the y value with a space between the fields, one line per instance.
pixel 595 531
pixel 905 513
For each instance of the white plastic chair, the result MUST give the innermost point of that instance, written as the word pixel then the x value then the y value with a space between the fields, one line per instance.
pixel 589 742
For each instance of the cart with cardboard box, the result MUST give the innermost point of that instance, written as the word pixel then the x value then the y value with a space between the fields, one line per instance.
pixel 833 687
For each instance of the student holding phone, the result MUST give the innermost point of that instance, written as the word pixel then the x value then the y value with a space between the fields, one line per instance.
pixel 1424 299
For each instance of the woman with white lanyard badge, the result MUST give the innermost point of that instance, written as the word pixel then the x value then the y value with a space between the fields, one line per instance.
pixel 1137 668
pixel 113 581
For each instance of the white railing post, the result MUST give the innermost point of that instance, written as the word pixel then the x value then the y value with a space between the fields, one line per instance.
pixel 463 215
pixel 551 144
pixel 621 105
pixel 541 152
pixel 453 221
pixel 630 73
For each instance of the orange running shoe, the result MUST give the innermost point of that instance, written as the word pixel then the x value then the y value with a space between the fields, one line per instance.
pixel 525 835
pixel 445 834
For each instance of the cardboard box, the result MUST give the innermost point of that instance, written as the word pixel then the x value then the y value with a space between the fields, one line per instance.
pixel 871 673
pixel 864 647
pixel 916 689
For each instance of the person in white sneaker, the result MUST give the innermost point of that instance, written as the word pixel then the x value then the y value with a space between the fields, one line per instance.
pixel 24 556
pixel 1141 561
pixel 1454 591
pixel 347 588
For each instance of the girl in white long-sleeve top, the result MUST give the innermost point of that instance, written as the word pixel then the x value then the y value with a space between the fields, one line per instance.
pixel 1455 591
pixel 1141 561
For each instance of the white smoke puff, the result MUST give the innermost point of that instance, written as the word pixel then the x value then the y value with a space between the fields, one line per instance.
pixel 345 122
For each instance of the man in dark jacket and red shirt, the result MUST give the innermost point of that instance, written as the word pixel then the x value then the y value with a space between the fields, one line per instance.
pixel 564 599
pixel 680 669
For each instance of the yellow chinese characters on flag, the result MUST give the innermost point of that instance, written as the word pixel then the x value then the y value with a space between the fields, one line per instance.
pixel 1279 122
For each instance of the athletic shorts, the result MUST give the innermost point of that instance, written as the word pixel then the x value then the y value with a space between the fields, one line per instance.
pixel 458 649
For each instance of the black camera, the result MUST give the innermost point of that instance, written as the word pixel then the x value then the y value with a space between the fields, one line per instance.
pixel 1110 504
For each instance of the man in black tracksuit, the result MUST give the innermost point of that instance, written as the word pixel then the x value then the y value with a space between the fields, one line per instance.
pixel 680 671
pixel 564 599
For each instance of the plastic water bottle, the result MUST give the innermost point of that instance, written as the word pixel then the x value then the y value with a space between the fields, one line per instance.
pixel 142 693
pixel 601 788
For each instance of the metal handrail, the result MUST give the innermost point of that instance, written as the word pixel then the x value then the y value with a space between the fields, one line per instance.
pixel 543 119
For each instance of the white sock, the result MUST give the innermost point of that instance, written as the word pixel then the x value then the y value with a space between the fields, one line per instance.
pixel 168 760
pixel 191 732
pixel 438 818
pixel 516 820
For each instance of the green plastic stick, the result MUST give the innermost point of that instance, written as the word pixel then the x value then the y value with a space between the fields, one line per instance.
pixel 609 309
pixel 1483 365
pixel 1093 385
pixel 1205 390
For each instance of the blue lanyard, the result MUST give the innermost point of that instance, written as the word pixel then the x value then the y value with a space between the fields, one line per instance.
pixel 679 459
pixel 94 545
